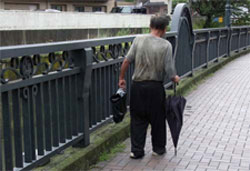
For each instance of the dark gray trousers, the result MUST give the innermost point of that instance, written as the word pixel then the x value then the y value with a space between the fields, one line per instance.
pixel 147 106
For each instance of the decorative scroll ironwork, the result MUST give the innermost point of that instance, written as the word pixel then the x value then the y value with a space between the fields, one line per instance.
pixel 34 90
pixel 114 51
pixel 25 93
pixel 27 66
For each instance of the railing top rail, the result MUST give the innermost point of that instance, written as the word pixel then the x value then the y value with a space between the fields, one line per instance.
pixel 218 29
pixel 210 29
pixel 31 49
pixel 237 27
pixel 21 50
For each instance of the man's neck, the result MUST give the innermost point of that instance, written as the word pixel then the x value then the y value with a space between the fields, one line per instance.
pixel 156 33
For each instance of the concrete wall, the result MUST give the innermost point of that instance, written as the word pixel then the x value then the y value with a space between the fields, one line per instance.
pixel 27 20
pixel 26 27
pixel 17 37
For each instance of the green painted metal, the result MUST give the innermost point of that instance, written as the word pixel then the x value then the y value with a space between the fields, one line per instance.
pixel 7 131
pixel 32 92
pixel 47 116
pixel 61 107
pixel 17 128
pixel 182 24
pixel 54 113
pixel 26 124
pixel 74 106
pixel 68 107
pixel 39 121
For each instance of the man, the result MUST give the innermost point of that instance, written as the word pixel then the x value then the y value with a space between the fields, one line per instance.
pixel 153 61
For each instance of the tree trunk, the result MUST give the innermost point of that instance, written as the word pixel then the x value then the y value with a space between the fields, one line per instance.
pixel 208 22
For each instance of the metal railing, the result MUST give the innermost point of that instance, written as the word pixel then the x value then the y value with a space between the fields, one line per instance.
pixel 57 100
pixel 54 95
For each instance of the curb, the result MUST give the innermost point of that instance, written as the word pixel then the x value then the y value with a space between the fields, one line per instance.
pixel 111 134
pixel 101 140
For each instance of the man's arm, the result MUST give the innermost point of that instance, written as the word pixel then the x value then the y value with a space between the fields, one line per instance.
pixel 124 68
pixel 130 57
pixel 170 66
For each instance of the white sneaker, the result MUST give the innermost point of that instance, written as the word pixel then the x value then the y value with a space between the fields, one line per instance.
pixel 133 156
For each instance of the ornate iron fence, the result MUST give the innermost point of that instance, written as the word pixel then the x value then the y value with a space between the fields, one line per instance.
pixel 54 95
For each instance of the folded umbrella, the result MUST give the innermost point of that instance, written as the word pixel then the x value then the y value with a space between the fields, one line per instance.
pixel 119 105
pixel 174 114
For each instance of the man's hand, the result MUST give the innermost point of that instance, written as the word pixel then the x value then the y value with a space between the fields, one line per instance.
pixel 124 68
pixel 176 79
pixel 122 84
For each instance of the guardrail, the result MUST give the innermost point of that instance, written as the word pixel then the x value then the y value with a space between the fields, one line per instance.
pixel 54 95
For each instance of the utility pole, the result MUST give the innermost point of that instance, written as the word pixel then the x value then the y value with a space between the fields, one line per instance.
pixel 228 25
pixel 228 14
pixel 190 3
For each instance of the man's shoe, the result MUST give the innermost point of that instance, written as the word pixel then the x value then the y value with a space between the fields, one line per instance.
pixel 158 154
pixel 133 156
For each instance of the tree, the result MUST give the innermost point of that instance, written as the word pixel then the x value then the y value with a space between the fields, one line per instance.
pixel 241 13
pixel 212 9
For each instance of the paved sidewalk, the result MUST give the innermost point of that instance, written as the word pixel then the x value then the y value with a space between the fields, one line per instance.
pixel 216 131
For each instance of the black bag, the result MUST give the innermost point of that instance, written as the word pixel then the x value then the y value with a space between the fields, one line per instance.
pixel 119 106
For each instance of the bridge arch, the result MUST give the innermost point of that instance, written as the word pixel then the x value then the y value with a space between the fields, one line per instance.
pixel 182 24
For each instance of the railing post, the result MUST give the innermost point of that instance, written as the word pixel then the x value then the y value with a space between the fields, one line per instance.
pixel 218 45
pixel 83 59
pixel 246 39
pixel 1 153
pixel 193 50
pixel 239 31
pixel 208 46
pixel 7 131
pixel 86 93
pixel 229 38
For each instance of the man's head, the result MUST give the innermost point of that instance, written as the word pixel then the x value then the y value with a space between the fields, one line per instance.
pixel 158 24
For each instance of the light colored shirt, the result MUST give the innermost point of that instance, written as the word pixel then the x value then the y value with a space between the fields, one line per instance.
pixel 153 58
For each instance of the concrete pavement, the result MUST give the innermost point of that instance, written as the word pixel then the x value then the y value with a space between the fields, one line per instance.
pixel 216 130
